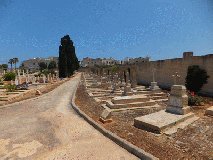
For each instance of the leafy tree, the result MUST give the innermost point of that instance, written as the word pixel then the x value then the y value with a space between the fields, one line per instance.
pixel 4 66
pixel 15 61
pixel 52 65
pixel 11 62
pixel 9 76
pixel 42 66
pixel 196 78
pixel 114 68
pixel 68 62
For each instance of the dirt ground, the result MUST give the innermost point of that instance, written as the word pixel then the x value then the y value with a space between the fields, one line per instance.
pixel 192 142
pixel 47 128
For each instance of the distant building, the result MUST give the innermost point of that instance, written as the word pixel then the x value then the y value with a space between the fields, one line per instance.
pixel 33 64
pixel 90 62
pixel 138 60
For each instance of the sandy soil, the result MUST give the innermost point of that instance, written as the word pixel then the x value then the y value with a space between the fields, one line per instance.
pixel 47 127
pixel 193 142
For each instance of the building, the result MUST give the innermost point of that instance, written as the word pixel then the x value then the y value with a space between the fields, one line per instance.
pixel 33 64
pixel 138 60
pixel 90 62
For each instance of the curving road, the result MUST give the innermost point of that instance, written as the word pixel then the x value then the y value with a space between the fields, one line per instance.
pixel 47 128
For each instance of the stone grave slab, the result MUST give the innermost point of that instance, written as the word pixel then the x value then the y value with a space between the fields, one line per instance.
pixel 177 111
pixel 130 99
pixel 209 111
pixel 158 122
pixel 128 105
pixel 105 116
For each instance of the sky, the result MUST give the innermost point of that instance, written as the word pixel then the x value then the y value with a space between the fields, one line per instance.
pixel 161 29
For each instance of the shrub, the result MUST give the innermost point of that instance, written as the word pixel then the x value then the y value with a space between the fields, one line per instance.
pixel 196 78
pixel 195 100
pixel 10 88
pixel 9 76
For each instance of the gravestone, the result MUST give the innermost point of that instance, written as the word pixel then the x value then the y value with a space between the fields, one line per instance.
pixel 44 79
pixel 154 86
pixel 178 100
pixel 177 114
pixel 16 81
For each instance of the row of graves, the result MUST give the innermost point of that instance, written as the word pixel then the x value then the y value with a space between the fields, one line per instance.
pixel 118 94
pixel 24 82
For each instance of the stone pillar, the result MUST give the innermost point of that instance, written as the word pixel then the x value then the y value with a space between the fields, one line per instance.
pixel 44 78
pixel 16 81
pixel 178 100
pixel 133 79
pixel 19 73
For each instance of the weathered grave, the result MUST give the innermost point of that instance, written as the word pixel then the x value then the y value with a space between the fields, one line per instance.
pixel 209 111
pixel 175 116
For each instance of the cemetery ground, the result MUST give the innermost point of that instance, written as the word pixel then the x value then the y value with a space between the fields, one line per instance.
pixel 46 127
pixel 192 142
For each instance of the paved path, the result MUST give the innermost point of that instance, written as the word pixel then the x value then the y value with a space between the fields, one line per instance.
pixel 47 128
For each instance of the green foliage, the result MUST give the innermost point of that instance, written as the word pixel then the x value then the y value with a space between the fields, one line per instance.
pixel 195 100
pixel 9 76
pixel 10 88
pixel 114 68
pixel 1 81
pixel 11 62
pixel 52 65
pixel 196 78
pixel 42 66
pixel 4 66
pixel 68 61
pixel 15 61
pixel 45 72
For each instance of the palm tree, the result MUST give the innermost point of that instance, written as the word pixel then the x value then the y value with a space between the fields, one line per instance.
pixel 15 60
pixel 11 62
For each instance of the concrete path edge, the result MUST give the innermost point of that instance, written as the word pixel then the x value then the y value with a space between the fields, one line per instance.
pixel 121 142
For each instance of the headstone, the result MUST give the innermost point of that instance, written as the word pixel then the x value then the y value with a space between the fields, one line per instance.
pixel 33 80
pixel 106 116
pixel 178 100
pixel 19 73
pixel 154 86
pixel 44 79
pixel 16 81
pixel 127 91
pixel 175 76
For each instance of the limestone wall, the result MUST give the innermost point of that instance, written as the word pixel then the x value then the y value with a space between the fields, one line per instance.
pixel 166 68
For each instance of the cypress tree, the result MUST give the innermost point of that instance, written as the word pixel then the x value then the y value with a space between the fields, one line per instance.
pixel 68 61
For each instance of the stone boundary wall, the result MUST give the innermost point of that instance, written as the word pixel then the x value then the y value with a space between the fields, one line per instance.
pixel 166 68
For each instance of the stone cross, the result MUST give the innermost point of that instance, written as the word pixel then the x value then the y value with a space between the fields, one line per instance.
pixel 153 74
pixel 175 76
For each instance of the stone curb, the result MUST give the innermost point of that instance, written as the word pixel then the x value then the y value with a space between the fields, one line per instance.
pixel 121 142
